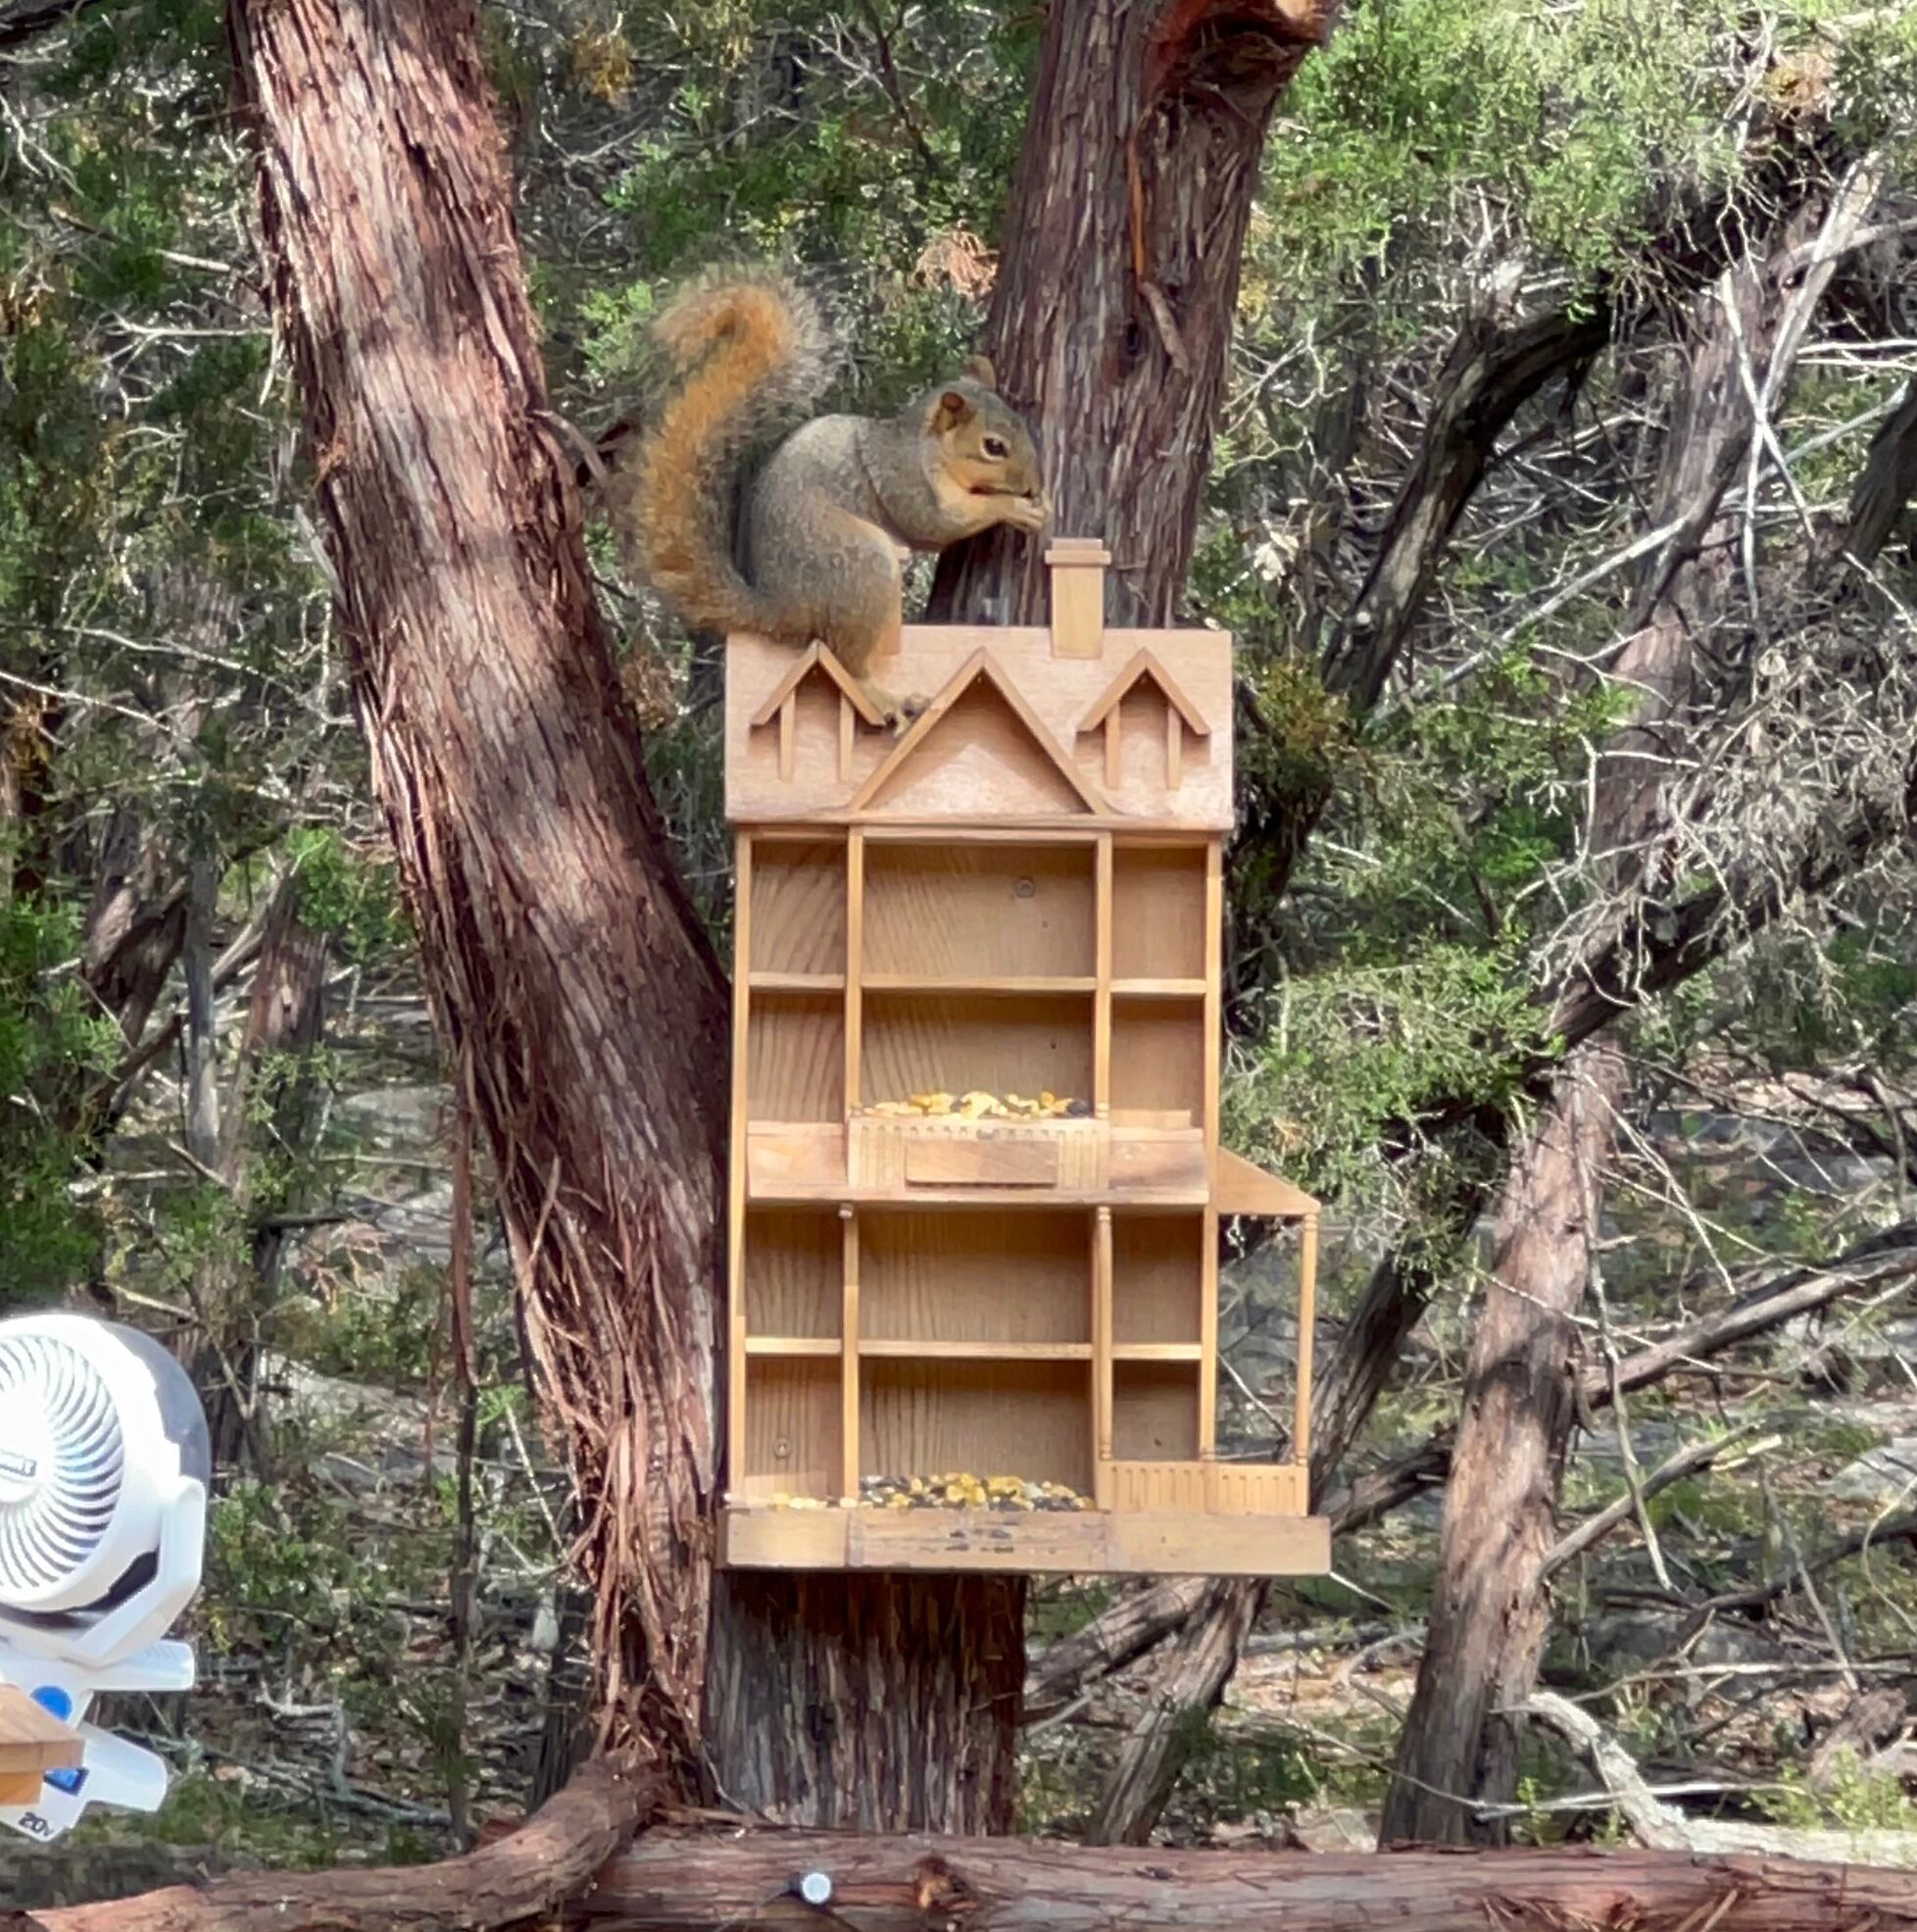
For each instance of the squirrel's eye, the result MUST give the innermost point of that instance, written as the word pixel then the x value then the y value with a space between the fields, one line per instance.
pixel 994 447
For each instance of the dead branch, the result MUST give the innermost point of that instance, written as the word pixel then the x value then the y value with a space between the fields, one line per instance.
pixel 1664 1827
pixel 24 19
pixel 1497 363
pixel 1880 1535
pixel 912 1884
pixel 549 1860
pixel 1689 1460
pixel 1139 1622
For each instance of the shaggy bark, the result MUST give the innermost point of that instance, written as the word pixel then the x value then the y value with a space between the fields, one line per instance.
pixel 566 968
pixel 1111 315
pixel 908 1885
pixel 873 1703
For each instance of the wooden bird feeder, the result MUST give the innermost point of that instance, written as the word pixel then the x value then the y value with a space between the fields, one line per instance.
pixel 31 1743
pixel 1019 895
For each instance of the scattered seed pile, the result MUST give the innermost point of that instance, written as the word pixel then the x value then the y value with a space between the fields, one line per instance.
pixel 959 1490
pixel 963 1491
pixel 981 1106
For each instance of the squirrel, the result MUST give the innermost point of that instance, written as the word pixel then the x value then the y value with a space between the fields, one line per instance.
pixel 818 553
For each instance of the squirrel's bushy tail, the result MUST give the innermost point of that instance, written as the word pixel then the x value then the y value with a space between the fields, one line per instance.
pixel 745 346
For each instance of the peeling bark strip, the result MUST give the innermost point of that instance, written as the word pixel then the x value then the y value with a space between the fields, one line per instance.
pixel 1123 244
pixel 549 1860
pixel 564 963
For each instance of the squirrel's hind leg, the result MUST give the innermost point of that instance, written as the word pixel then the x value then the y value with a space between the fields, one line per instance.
pixel 857 654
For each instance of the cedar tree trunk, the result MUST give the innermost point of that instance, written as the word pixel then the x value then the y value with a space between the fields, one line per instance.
pixel 1118 277
pixel 582 1005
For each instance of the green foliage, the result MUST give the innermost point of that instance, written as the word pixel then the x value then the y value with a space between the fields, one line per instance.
pixel 211 1807
pixel 768 132
pixel 54 1045
pixel 1854 1798
pixel 350 892
pixel 1428 116
pixel 1352 1059
pixel 286 1573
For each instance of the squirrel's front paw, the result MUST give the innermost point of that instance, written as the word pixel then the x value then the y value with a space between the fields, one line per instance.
pixel 1028 513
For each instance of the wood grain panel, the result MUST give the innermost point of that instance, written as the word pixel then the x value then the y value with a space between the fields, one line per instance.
pixel 1157 1268
pixel 792 1272
pixel 1027 1418
pixel 792 1427
pixel 1154 1411
pixel 1060 692
pixel 1158 1054
pixel 798 905
pixel 980 911
pixel 1023 1275
pixel 795 1058
pixel 1159 911
pixel 951 1043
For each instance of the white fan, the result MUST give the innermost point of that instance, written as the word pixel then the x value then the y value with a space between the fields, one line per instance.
pixel 104 1462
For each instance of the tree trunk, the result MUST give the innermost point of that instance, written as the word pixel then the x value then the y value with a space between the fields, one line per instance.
pixel 1490 1609
pixel 578 992
pixel 867 1702
pixel 284 1016
pixel 1169 1721
pixel 1490 1613
pixel 1496 363
pixel 1110 322
pixel 1220 1614
pixel 1112 318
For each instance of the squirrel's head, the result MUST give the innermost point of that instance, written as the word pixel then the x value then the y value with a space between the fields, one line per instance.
pixel 987 468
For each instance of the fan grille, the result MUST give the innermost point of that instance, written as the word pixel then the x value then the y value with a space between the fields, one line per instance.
pixel 50 1531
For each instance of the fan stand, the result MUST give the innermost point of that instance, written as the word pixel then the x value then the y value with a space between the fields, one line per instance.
pixel 31 1743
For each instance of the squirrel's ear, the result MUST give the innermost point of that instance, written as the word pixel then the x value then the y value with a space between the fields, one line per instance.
pixel 949 410
pixel 979 369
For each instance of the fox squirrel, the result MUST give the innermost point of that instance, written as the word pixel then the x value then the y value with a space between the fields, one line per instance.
pixel 826 513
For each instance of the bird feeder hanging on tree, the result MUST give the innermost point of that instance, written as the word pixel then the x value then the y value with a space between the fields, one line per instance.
pixel 975 1172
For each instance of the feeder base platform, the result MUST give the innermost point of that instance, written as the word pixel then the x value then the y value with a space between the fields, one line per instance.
pixel 1155 1543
